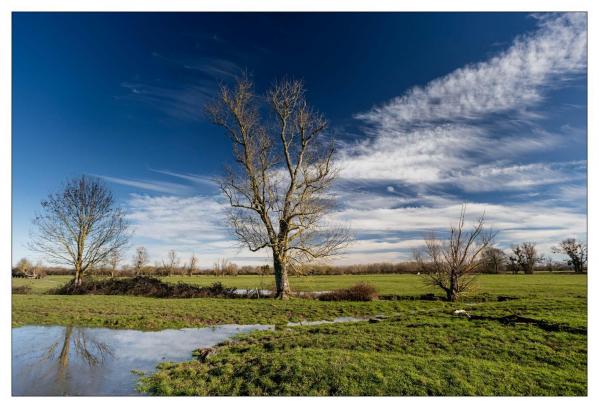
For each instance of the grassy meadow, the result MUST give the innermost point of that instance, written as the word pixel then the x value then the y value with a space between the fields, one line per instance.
pixel 419 348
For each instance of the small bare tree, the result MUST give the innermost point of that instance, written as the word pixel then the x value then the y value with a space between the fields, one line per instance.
pixel 549 263
pixel 512 264
pixel 113 262
pixel 452 264
pixel 576 251
pixel 140 260
pixel 526 256
pixel 278 187
pixel 192 266
pixel 224 267
pixel 23 268
pixel 80 226
pixel 172 262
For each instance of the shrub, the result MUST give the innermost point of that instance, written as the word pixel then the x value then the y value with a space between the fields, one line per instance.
pixel 21 290
pixel 144 286
pixel 361 292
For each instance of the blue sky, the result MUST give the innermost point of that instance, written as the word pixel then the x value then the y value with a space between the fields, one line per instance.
pixel 431 110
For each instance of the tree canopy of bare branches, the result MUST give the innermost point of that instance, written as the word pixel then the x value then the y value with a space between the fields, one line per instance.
pixel 192 266
pixel 576 251
pixel 493 259
pixel 526 256
pixel 80 226
pixel 283 170
pixel 113 262
pixel 171 263
pixel 452 264
pixel 140 260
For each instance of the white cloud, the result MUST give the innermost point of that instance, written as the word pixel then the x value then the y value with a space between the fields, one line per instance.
pixel 450 127
pixel 187 224
pixel 149 185
pixel 194 178
pixel 512 80
pixel 493 177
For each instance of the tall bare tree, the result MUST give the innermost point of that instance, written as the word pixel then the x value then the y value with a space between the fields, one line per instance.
pixel 172 262
pixel 283 171
pixel 223 267
pixel 80 226
pixel 576 251
pixel 192 266
pixel 140 260
pixel 452 264
pixel 527 257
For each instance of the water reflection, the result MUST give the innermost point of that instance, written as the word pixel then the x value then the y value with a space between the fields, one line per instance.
pixel 58 360
pixel 54 364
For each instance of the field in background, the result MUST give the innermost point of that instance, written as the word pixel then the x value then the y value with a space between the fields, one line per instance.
pixel 402 285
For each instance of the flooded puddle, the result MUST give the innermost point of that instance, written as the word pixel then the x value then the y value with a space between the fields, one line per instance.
pixel 336 320
pixel 56 360
pixel 267 292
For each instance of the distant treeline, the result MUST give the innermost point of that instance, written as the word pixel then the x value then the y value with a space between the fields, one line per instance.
pixel 232 269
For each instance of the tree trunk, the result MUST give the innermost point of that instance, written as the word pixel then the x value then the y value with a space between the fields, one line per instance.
pixel 281 278
pixel 63 357
pixel 78 276
pixel 452 291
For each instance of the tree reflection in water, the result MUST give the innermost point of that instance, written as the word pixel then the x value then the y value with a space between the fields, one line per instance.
pixel 75 344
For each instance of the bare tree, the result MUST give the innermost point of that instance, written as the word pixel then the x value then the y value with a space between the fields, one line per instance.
pixel 452 264
pixel 576 250
pixel 172 262
pixel 513 265
pixel 140 260
pixel 527 257
pixel 38 271
pixel 549 264
pixel 283 170
pixel 80 226
pixel 224 267
pixel 23 268
pixel 113 262
pixel 493 260
pixel 192 266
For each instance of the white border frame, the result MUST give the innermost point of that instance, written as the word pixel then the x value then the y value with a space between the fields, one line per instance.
pixel 8 6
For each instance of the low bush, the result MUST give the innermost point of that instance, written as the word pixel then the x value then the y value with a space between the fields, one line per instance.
pixel 361 292
pixel 144 286
pixel 21 290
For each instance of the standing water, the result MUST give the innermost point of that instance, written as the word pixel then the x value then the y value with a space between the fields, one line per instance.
pixel 57 360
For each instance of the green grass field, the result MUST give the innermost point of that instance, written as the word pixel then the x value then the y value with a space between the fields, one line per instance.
pixel 420 349
pixel 408 285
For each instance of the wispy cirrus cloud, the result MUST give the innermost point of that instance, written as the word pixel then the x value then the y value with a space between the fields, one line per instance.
pixel 432 133
pixel 198 79
pixel 177 101
pixel 513 80
pixel 148 185
pixel 193 178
